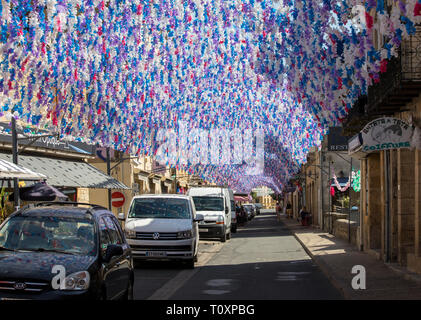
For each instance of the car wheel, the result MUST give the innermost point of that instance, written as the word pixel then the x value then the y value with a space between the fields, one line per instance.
pixel 229 235
pixel 129 292
pixel 102 296
pixel 224 237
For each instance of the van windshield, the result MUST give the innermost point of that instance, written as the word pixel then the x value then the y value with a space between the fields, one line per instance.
pixel 209 203
pixel 166 208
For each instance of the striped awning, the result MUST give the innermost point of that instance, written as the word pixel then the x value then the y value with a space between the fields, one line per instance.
pixel 9 170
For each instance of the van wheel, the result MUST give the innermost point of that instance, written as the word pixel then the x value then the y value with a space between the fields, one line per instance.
pixel 224 237
pixel 190 263
pixel 229 235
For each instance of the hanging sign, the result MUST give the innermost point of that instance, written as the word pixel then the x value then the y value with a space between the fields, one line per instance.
pixel 336 141
pixel 386 133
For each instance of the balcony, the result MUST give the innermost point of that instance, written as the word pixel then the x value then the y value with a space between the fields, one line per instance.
pixel 400 83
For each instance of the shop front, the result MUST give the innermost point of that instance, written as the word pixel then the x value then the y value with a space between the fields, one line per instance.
pixel 388 188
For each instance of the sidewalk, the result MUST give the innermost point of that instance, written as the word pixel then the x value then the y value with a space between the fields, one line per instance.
pixel 336 257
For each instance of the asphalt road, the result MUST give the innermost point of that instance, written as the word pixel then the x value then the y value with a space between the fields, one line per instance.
pixel 262 261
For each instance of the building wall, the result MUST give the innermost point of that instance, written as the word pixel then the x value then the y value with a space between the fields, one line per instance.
pixel 406 204
pixel 374 208
pixel 123 173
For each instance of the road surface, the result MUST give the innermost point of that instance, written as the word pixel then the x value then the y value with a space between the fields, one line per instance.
pixel 262 261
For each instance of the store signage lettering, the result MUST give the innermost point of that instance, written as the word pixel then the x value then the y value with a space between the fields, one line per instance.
pixel 45 141
pixel 386 146
pixel 386 133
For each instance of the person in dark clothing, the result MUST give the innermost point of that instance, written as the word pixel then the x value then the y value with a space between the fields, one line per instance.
pixel 304 216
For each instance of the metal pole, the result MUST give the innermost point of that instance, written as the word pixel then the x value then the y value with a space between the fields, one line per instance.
pixel 109 173
pixel 15 161
pixel 349 204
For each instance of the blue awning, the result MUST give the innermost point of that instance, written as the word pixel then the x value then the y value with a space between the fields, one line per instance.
pixel 342 181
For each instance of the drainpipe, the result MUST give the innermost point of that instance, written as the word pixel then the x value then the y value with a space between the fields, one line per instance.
pixel 15 161
pixel 321 188
pixel 109 173
pixel 330 203
pixel 387 196
pixel 349 204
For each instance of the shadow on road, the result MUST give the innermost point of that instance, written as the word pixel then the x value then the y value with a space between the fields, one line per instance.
pixel 278 280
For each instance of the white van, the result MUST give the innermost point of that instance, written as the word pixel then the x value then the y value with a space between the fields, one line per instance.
pixel 215 206
pixel 163 226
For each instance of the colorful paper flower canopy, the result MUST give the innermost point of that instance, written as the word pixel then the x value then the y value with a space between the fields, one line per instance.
pixel 115 71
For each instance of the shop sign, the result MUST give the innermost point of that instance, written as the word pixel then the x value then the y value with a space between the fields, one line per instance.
pixel 45 141
pixel 336 141
pixel 386 133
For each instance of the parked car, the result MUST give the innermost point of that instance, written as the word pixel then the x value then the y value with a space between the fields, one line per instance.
pixel 61 251
pixel 163 227
pixel 258 207
pixel 234 219
pixel 214 204
pixel 249 208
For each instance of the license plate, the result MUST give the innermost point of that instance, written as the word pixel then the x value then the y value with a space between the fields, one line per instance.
pixel 156 254
pixel 203 230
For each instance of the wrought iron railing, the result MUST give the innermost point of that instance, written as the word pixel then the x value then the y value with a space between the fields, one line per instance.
pixel 405 69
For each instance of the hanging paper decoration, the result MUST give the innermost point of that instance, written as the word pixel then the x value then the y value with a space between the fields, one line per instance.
pixel 356 180
pixel 332 191
pixel 338 186
pixel 113 72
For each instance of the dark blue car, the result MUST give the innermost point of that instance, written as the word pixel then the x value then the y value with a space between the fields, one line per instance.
pixel 61 251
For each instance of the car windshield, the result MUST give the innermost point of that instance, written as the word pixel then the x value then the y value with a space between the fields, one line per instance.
pixel 248 208
pixel 54 234
pixel 166 208
pixel 209 203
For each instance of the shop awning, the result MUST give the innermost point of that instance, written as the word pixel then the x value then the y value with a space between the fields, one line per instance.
pixel 241 198
pixel 66 173
pixel 342 182
pixel 9 170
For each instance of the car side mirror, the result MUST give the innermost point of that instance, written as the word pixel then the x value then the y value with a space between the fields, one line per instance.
pixel 226 210
pixel 121 216
pixel 112 251
pixel 199 218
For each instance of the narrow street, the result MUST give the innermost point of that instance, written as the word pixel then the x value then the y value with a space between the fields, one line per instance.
pixel 262 261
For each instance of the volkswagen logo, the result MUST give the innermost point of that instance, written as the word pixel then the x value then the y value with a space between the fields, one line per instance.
pixel 156 236
pixel 20 286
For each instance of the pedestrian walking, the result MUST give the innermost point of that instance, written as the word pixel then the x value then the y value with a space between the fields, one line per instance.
pixel 243 215
pixel 278 211
pixel 304 216
pixel 289 210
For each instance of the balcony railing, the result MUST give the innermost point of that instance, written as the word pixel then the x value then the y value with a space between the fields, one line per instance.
pixel 401 82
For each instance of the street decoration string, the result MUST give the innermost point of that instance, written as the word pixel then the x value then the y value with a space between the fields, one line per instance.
pixel 338 186
pixel 113 72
